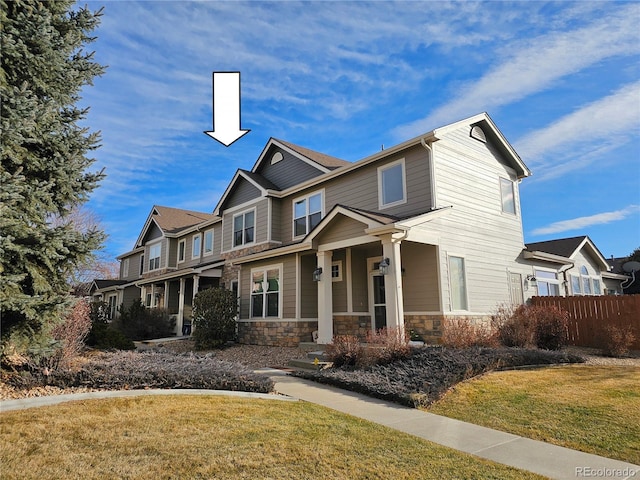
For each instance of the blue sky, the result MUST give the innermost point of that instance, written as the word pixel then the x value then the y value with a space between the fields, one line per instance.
pixel 560 80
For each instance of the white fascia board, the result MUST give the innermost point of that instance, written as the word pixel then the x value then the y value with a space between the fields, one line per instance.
pixel 147 224
pixel 595 253
pixel 547 257
pixel 166 276
pixel 339 210
pixel 614 276
pixel 273 141
pixel 131 252
pixel 425 217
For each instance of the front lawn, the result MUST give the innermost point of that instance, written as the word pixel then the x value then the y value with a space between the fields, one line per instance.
pixel 218 437
pixel 588 408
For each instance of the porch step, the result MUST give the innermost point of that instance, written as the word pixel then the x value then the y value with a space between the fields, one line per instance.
pixel 308 363
pixel 308 346
pixel 319 354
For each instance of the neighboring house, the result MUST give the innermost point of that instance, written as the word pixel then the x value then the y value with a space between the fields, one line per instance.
pixel 415 233
pixel 631 284
pixel 114 293
pixel 570 266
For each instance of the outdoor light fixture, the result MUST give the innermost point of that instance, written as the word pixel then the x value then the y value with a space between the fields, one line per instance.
pixel 384 266
pixel 317 273
pixel 532 280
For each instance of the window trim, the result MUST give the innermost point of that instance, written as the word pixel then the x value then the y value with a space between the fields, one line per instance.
pixel 197 236
pixel 244 228
pixel 549 281
pixel 204 243
pixel 293 212
pixel 182 242
pixel 464 279
pixel 381 170
pixel 337 263
pixel 504 181
pixel 264 292
pixel 159 257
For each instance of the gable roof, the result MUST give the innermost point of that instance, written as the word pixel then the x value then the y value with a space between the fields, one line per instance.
pixel 569 248
pixel 172 220
pixel 323 159
pixel 265 186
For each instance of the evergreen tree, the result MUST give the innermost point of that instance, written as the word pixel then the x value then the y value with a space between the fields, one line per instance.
pixel 44 172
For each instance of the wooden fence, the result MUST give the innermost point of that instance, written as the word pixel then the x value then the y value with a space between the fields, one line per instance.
pixel 588 316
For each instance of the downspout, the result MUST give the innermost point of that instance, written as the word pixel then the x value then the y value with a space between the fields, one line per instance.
pixel 565 281
pixel 432 179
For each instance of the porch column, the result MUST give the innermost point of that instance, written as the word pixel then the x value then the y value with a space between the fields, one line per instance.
pixel 393 282
pixel 153 295
pixel 165 302
pixel 180 321
pixel 196 286
pixel 325 298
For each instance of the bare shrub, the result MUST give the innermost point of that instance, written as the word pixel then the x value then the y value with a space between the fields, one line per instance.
pixel 551 325
pixel 460 332
pixel 616 341
pixel 514 327
pixel 345 350
pixel 385 345
pixel 72 332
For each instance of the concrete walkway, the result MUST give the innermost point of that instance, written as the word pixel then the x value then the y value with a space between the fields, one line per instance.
pixel 534 456
pixel 538 457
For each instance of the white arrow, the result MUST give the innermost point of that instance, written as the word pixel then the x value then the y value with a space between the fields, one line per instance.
pixel 226 108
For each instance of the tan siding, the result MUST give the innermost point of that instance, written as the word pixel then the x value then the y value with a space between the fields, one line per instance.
pixel 261 227
pixel 341 228
pixel 360 276
pixel 340 288
pixel 468 178
pixel 420 278
pixel 134 268
pixel 173 252
pixel 276 220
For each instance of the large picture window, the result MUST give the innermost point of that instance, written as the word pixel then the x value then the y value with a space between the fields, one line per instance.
pixel 391 184
pixel 457 279
pixel 307 213
pixel 154 256
pixel 243 228
pixel 265 292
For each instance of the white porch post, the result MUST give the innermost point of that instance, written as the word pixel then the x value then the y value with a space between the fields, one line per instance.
pixel 180 321
pixel 325 298
pixel 153 295
pixel 165 302
pixel 393 283
pixel 196 286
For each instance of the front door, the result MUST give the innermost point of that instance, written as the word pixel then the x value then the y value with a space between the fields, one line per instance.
pixel 377 298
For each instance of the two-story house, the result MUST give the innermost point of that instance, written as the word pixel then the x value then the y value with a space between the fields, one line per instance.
pixel 426 229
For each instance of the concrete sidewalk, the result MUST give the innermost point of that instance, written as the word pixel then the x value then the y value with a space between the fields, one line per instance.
pixel 538 457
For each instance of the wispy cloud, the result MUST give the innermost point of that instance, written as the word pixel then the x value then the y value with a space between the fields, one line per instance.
pixel 589 221
pixel 534 66
pixel 615 114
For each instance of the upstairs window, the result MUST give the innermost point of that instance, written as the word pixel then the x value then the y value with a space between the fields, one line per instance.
pixel 125 268
pixel 307 213
pixel 507 193
pixel 208 243
pixel 196 243
pixel 243 228
pixel 182 246
pixel 392 188
pixel 154 256
pixel 458 283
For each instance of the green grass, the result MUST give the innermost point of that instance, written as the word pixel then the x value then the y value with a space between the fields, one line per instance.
pixel 218 437
pixel 587 408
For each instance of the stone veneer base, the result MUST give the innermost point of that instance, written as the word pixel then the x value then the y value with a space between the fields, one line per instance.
pixel 277 334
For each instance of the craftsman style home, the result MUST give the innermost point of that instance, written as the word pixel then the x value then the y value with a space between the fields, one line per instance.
pixel 314 246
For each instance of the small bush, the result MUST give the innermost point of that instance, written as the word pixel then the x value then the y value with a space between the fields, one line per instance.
pixel 550 327
pixel 140 323
pixel 72 332
pixel 459 332
pixel 514 327
pixel 616 341
pixel 214 314
pixel 345 350
pixel 385 346
pixel 102 334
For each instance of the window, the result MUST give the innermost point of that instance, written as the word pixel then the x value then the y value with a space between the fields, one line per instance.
pixel 125 268
pixel 112 301
pixel 508 196
pixel 265 292
pixel 243 228
pixel 597 289
pixel 182 246
pixel 575 285
pixel 336 271
pixel 307 213
pixel 154 256
pixel 586 281
pixel 208 242
pixel 196 242
pixel 458 282
pixel 548 284
pixel 391 184
pixel 141 264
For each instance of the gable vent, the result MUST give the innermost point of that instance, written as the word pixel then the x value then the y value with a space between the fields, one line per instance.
pixel 276 158
pixel 478 134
